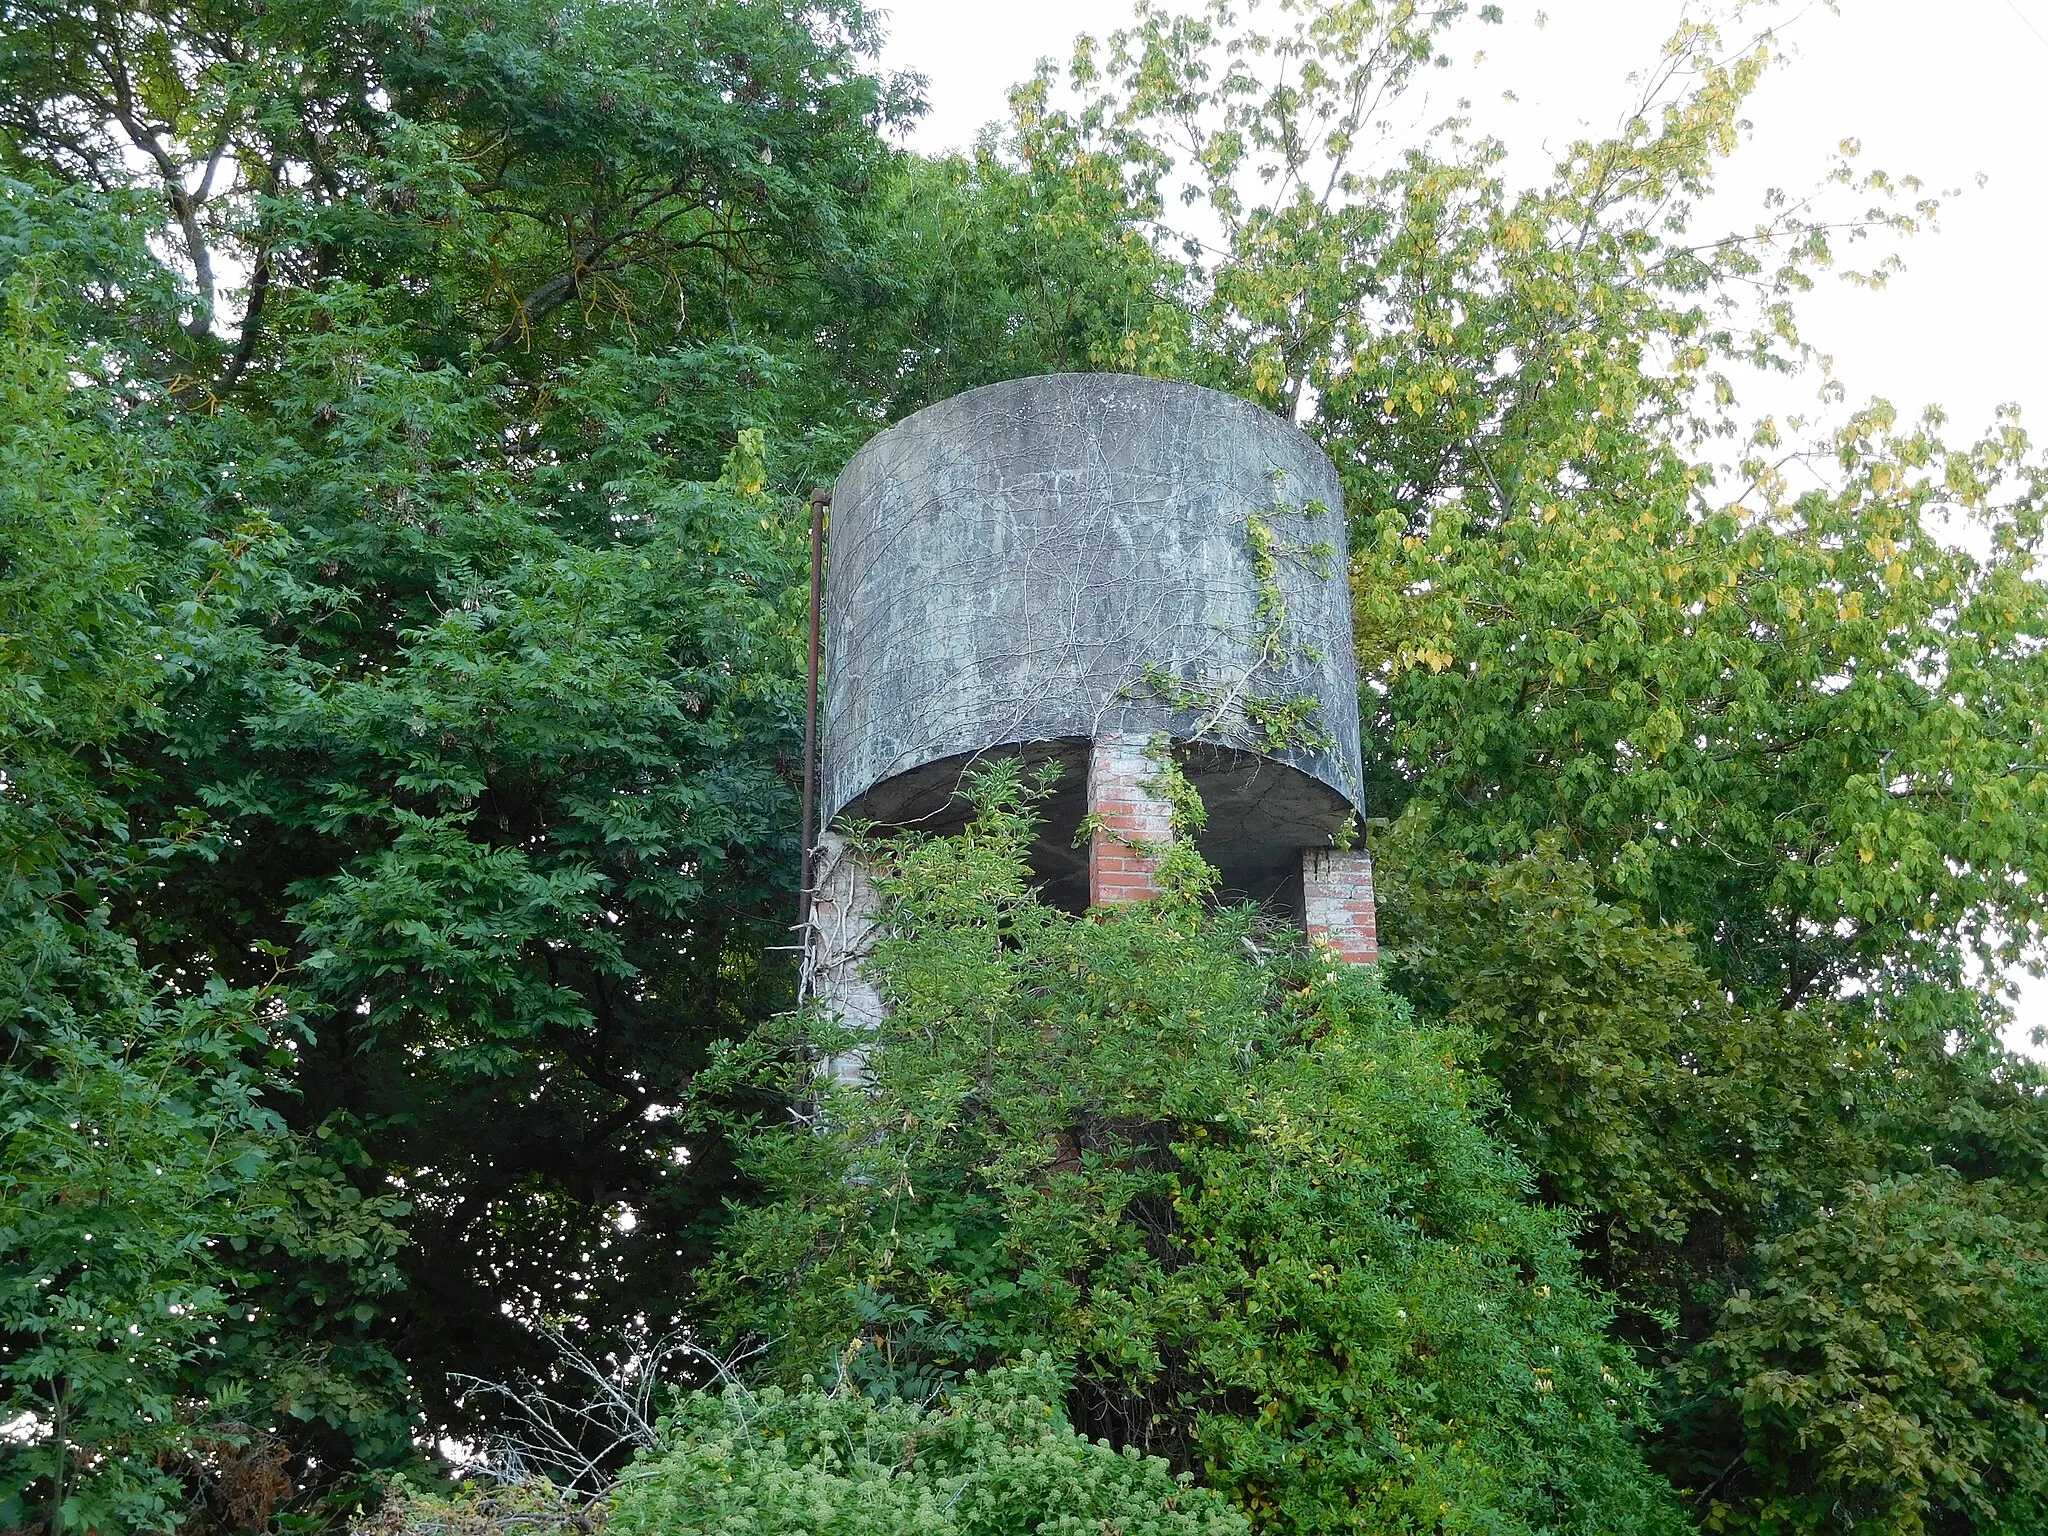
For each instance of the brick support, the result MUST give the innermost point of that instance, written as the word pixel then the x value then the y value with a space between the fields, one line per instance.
pixel 1337 904
pixel 841 936
pixel 1132 822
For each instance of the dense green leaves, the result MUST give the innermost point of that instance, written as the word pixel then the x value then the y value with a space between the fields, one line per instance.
pixel 1835 694
pixel 997 1456
pixel 524 841
pixel 184 1279
pixel 185 1286
pixel 1714 798
pixel 77 666
pixel 344 627
pixel 1889 1365
pixel 1786 1194
pixel 1235 1185
pixel 438 646
pixel 404 421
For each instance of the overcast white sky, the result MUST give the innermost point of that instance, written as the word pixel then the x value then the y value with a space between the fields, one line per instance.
pixel 1949 91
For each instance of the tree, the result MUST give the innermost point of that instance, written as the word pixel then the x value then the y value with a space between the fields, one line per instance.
pixel 403 637
pixel 185 1281
pixel 467 363
pixel 1888 1362
pixel 1233 1184
pixel 1714 803
pixel 1795 1207
pixel 484 729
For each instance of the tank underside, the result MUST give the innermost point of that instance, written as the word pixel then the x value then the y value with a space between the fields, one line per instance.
pixel 1262 814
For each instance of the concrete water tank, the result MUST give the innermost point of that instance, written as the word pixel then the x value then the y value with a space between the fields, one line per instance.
pixel 1047 565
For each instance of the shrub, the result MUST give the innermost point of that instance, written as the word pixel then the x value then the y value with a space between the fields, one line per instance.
pixel 1236 1185
pixel 995 1457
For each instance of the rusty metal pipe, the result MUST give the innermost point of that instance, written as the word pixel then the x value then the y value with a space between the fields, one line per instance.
pixel 820 500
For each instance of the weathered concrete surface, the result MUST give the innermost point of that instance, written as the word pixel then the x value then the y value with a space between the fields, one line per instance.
pixel 1007 566
pixel 844 908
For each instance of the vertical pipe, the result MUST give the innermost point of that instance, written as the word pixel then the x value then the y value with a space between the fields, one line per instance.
pixel 820 500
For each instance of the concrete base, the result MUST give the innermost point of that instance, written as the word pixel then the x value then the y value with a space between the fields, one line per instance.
pixel 842 935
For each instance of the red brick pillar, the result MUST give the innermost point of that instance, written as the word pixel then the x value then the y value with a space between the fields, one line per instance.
pixel 1132 822
pixel 1337 907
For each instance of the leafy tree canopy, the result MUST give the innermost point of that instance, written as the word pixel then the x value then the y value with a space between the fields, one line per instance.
pixel 404 417
pixel 1712 803
pixel 1234 1183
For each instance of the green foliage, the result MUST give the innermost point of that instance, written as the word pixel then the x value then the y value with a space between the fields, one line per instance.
pixel 403 423
pixel 1800 732
pixel 519 820
pixel 76 669
pixel 1236 1186
pixel 995 1456
pixel 1803 724
pixel 471 689
pixel 1890 1366
pixel 124 1165
pixel 151 1209
pixel 438 650
pixel 1735 1153
pixel 1637 1092
pixel 480 1506
pixel 1024 257
pixel 1715 799
pixel 525 178
pixel 184 1281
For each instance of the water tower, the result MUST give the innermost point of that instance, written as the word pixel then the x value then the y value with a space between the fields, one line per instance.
pixel 1088 569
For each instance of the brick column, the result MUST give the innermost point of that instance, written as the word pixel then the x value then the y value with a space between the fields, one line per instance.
pixel 841 936
pixel 1132 823
pixel 1337 906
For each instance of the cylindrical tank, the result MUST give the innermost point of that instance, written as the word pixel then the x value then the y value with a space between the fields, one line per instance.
pixel 1027 566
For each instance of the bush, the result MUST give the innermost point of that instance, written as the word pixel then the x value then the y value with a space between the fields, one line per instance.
pixel 1235 1185
pixel 1889 1365
pixel 482 1506
pixel 997 1457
